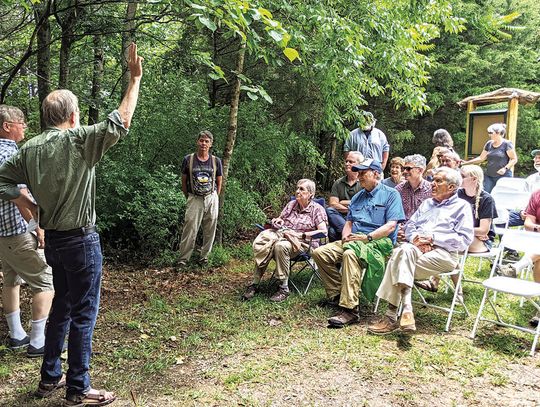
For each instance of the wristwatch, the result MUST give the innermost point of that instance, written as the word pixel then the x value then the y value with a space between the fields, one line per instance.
pixel 536 228
pixel 304 236
pixel 369 238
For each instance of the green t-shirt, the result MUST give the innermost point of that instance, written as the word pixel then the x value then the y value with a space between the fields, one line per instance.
pixel 58 166
pixel 343 190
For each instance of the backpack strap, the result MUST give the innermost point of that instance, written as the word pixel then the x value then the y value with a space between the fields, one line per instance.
pixel 190 168
pixel 214 163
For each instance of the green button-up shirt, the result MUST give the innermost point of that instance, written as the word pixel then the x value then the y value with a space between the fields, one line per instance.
pixel 58 166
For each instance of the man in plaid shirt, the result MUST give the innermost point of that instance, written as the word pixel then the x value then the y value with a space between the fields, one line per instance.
pixel 19 252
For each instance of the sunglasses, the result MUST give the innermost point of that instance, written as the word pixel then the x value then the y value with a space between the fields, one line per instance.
pixel 408 168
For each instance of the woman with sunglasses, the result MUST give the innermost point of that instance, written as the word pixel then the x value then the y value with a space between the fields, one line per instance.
pixel 500 155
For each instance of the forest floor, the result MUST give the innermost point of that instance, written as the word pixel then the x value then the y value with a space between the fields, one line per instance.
pixel 168 338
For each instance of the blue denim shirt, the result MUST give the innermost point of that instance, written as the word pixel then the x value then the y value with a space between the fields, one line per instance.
pixel 369 210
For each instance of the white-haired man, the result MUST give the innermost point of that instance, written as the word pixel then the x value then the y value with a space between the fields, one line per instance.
pixel 58 166
pixel 436 233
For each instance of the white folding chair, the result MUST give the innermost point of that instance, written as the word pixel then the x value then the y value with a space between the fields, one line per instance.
pixel 446 280
pixel 512 184
pixel 518 240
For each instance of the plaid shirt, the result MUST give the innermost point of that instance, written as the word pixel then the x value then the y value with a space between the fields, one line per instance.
pixel 11 221
pixel 413 198
pixel 304 220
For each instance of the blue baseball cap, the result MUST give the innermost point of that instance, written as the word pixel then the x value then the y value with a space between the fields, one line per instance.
pixel 369 164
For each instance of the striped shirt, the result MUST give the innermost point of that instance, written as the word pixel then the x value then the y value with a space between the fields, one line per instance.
pixel 303 220
pixel 11 221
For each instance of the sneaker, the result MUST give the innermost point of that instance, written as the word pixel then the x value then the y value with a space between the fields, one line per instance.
pixel 511 255
pixel 15 344
pixel 250 292
pixel 407 322
pixel 33 352
pixel 384 326
pixel 506 270
pixel 280 295
pixel 344 317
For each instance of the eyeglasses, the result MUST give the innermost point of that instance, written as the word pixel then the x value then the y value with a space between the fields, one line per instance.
pixel 408 168
pixel 21 123
pixel 350 162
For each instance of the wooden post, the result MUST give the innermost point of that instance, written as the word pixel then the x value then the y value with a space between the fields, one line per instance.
pixel 511 120
pixel 470 107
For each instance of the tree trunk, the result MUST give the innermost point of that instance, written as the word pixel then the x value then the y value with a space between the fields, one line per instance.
pixel 231 133
pixel 42 14
pixel 128 36
pixel 97 79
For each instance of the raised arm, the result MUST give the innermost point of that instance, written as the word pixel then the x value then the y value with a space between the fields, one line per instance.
pixel 129 102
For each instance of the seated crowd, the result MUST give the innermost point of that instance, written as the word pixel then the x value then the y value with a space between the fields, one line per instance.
pixel 387 234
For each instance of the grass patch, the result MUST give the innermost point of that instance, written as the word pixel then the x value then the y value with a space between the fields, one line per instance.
pixel 190 333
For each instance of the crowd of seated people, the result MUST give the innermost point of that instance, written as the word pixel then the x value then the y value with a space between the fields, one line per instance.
pixel 394 232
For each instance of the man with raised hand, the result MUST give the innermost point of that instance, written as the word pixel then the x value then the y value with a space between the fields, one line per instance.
pixel 437 232
pixel 58 166
pixel 19 252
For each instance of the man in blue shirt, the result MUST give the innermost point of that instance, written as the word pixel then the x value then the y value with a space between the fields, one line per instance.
pixel 373 214
pixel 368 140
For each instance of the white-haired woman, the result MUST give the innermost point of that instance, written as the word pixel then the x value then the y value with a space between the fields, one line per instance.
pixel 483 208
pixel 500 155
pixel 290 235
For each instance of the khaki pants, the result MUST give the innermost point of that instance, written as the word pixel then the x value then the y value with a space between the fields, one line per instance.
pixel 22 259
pixel 270 244
pixel 345 284
pixel 408 264
pixel 199 209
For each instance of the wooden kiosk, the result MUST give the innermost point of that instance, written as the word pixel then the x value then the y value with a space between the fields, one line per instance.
pixel 479 120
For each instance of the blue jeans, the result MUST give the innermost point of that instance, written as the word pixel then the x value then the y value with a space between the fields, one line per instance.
pixel 336 221
pixel 489 182
pixel 76 266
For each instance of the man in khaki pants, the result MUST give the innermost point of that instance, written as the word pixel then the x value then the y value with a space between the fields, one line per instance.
pixel 436 233
pixel 201 185
pixel 18 250
pixel 371 221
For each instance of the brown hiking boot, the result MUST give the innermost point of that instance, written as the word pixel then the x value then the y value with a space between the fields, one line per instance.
pixel 250 292
pixel 280 295
pixel 344 317
pixel 384 326
pixel 407 323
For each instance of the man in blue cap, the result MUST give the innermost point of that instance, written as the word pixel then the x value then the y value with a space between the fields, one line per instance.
pixel 368 236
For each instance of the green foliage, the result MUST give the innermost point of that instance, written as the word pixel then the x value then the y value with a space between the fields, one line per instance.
pixel 240 210
pixel 219 256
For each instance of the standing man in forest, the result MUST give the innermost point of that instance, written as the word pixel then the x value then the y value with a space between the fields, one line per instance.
pixel 368 140
pixel 18 250
pixel 202 175
pixel 59 168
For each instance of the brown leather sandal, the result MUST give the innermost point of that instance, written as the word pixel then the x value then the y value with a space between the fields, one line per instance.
pixel 89 399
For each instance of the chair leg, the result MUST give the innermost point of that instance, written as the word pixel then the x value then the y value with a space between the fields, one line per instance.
pixel 477 320
pixel 376 305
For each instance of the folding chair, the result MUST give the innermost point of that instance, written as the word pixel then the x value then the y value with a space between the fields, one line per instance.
pixel 446 280
pixel 303 258
pixel 517 240
pixel 511 184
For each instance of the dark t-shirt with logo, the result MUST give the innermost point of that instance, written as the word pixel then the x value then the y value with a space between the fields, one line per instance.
pixel 202 182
